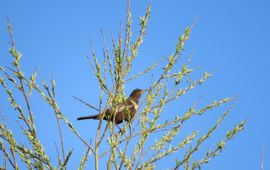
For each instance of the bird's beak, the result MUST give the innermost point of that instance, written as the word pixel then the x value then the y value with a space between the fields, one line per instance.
pixel 143 91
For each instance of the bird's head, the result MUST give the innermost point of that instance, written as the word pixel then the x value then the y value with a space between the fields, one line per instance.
pixel 136 94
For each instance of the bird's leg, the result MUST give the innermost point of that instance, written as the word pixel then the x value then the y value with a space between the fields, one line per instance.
pixel 118 126
pixel 121 130
pixel 129 127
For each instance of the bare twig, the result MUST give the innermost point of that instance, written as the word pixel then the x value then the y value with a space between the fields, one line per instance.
pixel 87 104
pixel 262 158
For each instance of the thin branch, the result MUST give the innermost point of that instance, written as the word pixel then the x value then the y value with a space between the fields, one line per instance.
pixel 12 43
pixel 262 158
pixel 87 104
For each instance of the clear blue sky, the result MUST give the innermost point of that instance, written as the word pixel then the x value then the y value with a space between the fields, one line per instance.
pixel 230 39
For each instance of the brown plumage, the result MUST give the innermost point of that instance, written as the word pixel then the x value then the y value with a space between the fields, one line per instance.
pixel 123 111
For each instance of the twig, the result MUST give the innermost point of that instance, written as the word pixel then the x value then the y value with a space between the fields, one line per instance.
pixel 87 104
pixel 262 158
pixel 12 43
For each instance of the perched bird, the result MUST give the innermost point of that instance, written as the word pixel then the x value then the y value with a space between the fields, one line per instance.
pixel 123 111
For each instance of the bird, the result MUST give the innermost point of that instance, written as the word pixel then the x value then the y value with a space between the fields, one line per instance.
pixel 122 112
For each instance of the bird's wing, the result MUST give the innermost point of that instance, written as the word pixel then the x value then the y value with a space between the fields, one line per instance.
pixel 135 105
pixel 127 105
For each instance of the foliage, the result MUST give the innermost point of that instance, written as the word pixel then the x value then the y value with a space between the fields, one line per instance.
pixel 133 148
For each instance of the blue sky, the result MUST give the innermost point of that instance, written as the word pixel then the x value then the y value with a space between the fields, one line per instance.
pixel 230 40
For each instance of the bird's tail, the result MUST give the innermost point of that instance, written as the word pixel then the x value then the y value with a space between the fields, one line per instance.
pixel 88 117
